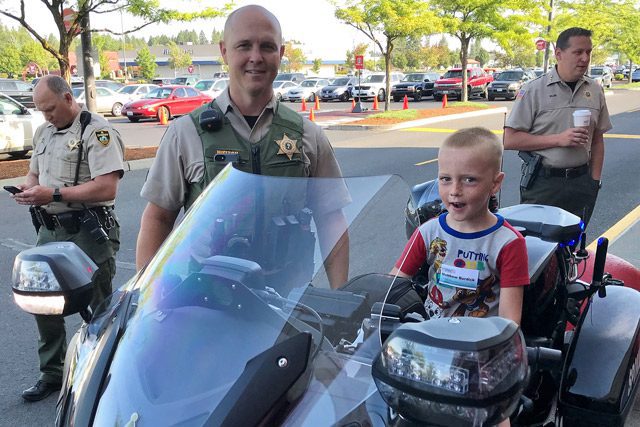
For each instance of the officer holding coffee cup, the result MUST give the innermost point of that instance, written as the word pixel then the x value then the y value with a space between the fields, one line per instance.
pixel 557 123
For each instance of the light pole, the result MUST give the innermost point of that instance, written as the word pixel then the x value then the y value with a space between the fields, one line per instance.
pixel 547 48
pixel 124 52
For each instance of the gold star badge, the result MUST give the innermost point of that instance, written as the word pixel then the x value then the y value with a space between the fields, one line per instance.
pixel 287 146
pixel 73 144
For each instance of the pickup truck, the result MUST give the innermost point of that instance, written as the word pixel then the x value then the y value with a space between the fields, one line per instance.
pixel 451 83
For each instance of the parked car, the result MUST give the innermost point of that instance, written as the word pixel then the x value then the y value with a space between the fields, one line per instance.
pixel 185 80
pixel 451 83
pixel 174 100
pixel 161 81
pixel 281 87
pixel 290 77
pixel 307 90
pixel 507 84
pixel 107 101
pixel 212 87
pixel 602 75
pixel 17 126
pixel 18 90
pixel 635 76
pixel 110 84
pixel 537 71
pixel 136 91
pixel 375 85
pixel 339 89
pixel 415 86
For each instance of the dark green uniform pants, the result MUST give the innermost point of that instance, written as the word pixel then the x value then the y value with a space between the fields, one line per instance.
pixel 52 344
pixel 576 195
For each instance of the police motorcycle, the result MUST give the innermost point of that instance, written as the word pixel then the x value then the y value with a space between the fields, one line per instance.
pixel 236 322
pixel 591 329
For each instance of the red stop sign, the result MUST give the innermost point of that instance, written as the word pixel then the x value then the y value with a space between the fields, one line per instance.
pixel 190 69
pixel 68 16
pixel 541 44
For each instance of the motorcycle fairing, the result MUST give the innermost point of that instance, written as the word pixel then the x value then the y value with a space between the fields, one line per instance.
pixel 195 323
pixel 599 381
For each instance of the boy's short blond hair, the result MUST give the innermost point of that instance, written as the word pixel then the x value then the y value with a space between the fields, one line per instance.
pixel 477 138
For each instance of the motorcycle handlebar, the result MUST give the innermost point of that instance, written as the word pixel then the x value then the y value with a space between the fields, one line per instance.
pixel 544 358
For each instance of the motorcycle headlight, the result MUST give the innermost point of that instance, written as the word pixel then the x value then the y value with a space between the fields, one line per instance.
pixel 462 371
pixel 53 279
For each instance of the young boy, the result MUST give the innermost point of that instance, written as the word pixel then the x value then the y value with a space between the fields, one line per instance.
pixel 478 262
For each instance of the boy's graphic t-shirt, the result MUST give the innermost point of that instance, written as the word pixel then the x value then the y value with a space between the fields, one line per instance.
pixel 466 270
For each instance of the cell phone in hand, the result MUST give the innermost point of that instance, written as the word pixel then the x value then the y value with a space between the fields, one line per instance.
pixel 11 189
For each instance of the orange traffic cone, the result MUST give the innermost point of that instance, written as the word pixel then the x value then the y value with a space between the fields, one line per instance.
pixel 162 116
pixel 304 105
pixel 405 103
pixel 353 103
pixel 375 103
pixel 317 106
pixel 444 101
pixel 312 116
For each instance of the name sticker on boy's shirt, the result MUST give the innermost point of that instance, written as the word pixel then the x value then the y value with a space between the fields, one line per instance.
pixel 458 277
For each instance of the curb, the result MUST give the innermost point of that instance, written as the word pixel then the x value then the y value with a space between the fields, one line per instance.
pixel 421 122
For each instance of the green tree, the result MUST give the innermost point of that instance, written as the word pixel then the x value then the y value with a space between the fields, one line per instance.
pixel 216 36
pixel 10 62
pixel 294 57
pixel 146 12
pixel 385 21
pixel 178 57
pixel 103 60
pixel 628 40
pixel 317 63
pixel 499 20
pixel 147 63
pixel 202 38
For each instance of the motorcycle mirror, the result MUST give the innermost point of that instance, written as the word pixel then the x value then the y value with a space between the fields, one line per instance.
pixel 598 266
pixel 54 279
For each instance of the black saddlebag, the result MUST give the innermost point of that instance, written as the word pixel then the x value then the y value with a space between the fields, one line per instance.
pixel 600 379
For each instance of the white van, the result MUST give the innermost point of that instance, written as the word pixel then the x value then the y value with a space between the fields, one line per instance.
pixel 375 84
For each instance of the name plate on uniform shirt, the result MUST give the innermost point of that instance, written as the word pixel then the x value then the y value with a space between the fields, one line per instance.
pixel 458 277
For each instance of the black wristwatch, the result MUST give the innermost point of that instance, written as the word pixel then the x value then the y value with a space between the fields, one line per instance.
pixel 57 197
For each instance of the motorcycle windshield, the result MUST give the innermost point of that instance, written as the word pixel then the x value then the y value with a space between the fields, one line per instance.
pixel 235 317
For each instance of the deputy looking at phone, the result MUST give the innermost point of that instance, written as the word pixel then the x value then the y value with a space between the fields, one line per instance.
pixel 71 185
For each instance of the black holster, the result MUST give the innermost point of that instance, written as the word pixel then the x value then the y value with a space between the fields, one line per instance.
pixel 530 167
pixel 34 218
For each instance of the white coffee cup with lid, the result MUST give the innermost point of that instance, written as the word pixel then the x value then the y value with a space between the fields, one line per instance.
pixel 581 118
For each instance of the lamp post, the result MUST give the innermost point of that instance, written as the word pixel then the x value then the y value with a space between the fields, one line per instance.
pixel 124 52
pixel 547 48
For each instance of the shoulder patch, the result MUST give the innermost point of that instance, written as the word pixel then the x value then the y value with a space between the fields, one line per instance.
pixel 103 137
pixel 521 93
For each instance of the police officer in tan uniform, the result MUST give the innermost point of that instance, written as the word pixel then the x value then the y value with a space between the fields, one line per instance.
pixel 71 186
pixel 268 137
pixel 563 163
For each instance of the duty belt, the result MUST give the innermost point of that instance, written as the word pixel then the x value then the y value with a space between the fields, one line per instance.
pixel 564 172
pixel 70 221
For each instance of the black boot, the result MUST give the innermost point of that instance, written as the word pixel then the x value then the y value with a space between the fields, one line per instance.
pixel 39 391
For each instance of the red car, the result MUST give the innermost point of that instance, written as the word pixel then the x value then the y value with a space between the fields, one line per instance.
pixel 174 99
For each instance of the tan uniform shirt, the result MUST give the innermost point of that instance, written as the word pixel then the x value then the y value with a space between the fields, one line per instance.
pixel 545 106
pixel 55 155
pixel 180 159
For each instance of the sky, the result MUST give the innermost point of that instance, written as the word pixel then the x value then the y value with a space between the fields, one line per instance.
pixel 311 22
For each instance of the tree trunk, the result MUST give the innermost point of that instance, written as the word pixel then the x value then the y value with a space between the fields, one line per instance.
pixel 87 64
pixel 464 53
pixel 387 71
